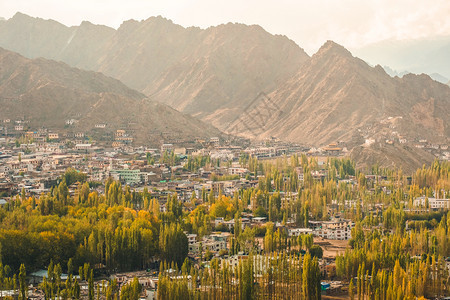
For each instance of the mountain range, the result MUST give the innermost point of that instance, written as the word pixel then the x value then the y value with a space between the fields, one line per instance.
pixel 250 83
pixel 423 55
pixel 335 93
pixel 338 97
pixel 207 73
pixel 47 93
pixel 435 76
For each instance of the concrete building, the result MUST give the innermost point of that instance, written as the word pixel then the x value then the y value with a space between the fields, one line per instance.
pixel 433 203
pixel 214 243
pixel 336 229
pixel 126 175
pixel 83 146
pixel 167 147
pixel 299 231
pixel 53 136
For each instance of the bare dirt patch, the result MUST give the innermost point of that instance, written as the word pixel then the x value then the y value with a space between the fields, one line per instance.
pixel 331 248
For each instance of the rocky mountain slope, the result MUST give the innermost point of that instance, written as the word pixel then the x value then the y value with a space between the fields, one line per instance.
pixel 47 93
pixel 211 73
pixel 337 97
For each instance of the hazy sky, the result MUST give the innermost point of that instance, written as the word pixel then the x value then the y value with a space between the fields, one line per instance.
pixel 309 23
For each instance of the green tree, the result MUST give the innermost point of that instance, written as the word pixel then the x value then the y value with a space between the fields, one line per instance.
pixel 307 241
pixel 350 290
pixel 22 282
pixel 70 267
pixel 91 285
pixel 316 251
pixel 76 289
pixel 173 244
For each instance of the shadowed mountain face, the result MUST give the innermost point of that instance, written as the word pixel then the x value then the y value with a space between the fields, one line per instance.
pixel 47 93
pixel 209 73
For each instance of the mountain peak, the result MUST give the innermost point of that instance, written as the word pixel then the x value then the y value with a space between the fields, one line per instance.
pixel 21 19
pixel 21 16
pixel 154 21
pixel 159 20
pixel 86 24
pixel 331 47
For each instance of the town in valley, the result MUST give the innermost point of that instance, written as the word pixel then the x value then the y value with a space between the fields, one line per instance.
pixel 234 150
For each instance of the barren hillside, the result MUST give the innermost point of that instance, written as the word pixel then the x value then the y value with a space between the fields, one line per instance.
pixel 337 97
pixel 47 93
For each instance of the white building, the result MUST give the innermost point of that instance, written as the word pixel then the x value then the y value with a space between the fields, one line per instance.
pixel 71 121
pixel 192 238
pixel 83 146
pixel 53 136
pixel 337 229
pixel 299 231
pixel 218 221
pixel 238 171
pixel 433 203
pixel 262 151
pixel 214 243
pixel 166 147
pixel 215 141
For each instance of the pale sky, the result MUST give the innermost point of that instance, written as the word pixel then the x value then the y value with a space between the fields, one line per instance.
pixel 352 23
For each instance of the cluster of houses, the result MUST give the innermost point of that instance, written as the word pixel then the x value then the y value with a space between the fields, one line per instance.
pixel 441 151
pixel 387 132
pixel 335 229
pixel 213 243
pixel 36 160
